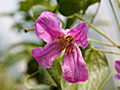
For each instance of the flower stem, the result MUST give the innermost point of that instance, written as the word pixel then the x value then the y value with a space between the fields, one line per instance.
pixel 28 29
pixel 107 80
pixel 26 81
pixel 99 42
pixel 97 30
pixel 92 20
pixel 105 51
pixel 116 18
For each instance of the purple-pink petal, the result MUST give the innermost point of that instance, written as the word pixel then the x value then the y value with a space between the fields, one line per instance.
pixel 117 76
pixel 117 66
pixel 74 67
pixel 80 33
pixel 46 55
pixel 48 26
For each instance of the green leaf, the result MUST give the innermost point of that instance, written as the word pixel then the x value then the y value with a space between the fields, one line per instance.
pixel 69 7
pixel 55 72
pixel 98 69
pixel 38 9
pixel 27 4
pixel 64 84
pixel 29 86
pixel 45 77
pixel 42 87
pixel 70 22
pixel 51 76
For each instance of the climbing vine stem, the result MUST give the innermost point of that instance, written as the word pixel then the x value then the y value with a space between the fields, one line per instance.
pixel 104 51
pixel 107 80
pixel 113 10
pixel 102 43
pixel 97 30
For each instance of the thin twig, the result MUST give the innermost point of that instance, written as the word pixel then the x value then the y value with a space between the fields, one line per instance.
pixel 97 30
pixel 106 81
pixel 105 51
pixel 116 18
pixel 96 12
pixel 99 42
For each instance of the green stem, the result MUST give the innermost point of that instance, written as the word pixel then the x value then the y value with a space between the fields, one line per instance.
pixel 95 13
pixel 116 18
pixel 99 42
pixel 97 30
pixel 107 80
pixel 26 81
pixel 105 51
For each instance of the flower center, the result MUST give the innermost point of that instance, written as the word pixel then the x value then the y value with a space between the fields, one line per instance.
pixel 68 39
pixel 65 41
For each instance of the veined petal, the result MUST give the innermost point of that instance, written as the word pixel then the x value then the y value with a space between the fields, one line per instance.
pixel 117 65
pixel 48 26
pixel 46 55
pixel 74 67
pixel 80 33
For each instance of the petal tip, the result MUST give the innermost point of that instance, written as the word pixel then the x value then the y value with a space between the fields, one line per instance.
pixel 48 26
pixel 117 66
pixel 117 61
pixel 117 76
pixel 78 80
pixel 84 23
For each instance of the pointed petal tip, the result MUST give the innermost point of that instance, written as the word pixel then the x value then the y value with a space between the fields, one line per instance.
pixel 85 44
pixel 84 23
pixel 80 33
pixel 33 52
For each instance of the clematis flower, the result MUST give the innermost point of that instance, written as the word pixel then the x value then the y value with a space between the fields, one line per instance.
pixel 49 28
pixel 117 68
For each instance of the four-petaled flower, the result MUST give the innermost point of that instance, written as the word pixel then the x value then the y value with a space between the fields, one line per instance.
pixel 117 68
pixel 49 28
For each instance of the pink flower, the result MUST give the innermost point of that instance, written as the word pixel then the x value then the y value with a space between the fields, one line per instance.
pixel 117 68
pixel 49 28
